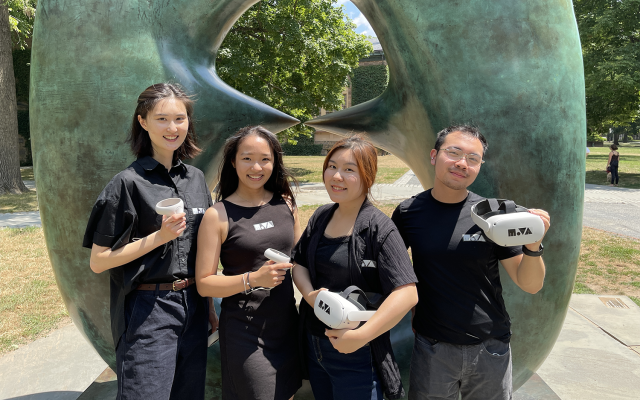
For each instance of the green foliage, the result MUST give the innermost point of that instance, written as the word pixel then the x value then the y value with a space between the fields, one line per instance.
pixel 21 16
pixel 23 130
pixel 304 146
pixel 21 68
pixel 594 137
pixel 302 149
pixel 368 82
pixel 610 37
pixel 294 55
pixel 21 60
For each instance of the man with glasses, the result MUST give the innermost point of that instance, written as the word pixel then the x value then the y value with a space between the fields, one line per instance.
pixel 462 327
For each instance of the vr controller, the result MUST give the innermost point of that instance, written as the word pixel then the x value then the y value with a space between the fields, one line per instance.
pixel 506 223
pixel 277 256
pixel 213 336
pixel 344 310
pixel 170 206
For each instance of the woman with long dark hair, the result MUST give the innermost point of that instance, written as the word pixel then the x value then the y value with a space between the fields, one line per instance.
pixel 351 242
pixel 158 319
pixel 255 210
pixel 613 163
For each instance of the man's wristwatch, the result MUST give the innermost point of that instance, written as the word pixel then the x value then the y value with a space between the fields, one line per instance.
pixel 530 253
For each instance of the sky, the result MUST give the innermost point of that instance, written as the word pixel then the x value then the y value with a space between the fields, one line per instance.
pixel 357 17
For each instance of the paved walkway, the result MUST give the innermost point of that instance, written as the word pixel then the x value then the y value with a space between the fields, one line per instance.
pixel 612 209
pixel 596 356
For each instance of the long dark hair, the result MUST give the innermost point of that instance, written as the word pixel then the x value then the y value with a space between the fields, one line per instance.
pixel 280 180
pixel 139 137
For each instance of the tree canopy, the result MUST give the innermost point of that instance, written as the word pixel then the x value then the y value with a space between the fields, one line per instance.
pixel 21 16
pixel 610 37
pixel 294 55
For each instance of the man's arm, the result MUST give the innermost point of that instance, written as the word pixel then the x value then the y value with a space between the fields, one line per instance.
pixel 525 271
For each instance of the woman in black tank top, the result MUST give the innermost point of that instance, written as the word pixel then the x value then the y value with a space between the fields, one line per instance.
pixel 613 163
pixel 255 211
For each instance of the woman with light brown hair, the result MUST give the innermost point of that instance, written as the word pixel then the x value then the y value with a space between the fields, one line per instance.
pixel 348 243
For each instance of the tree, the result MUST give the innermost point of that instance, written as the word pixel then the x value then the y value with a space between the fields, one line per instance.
pixel 294 55
pixel 16 24
pixel 610 36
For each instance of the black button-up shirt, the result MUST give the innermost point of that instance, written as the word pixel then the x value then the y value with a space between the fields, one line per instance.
pixel 125 212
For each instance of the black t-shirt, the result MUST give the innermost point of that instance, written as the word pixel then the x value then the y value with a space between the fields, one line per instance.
pixel 125 211
pixel 459 289
pixel 332 273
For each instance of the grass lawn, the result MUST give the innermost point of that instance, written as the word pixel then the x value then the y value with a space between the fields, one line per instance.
pixel 10 203
pixel 608 264
pixel 30 303
pixel 629 169
pixel 27 173
pixel 309 168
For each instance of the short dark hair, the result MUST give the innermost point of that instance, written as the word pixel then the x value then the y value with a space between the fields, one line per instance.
pixel 280 180
pixel 139 137
pixel 366 158
pixel 468 130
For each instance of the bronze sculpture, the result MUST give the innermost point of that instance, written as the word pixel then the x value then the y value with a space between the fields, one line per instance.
pixel 513 68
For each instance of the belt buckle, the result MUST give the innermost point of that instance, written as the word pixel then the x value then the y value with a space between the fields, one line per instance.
pixel 173 285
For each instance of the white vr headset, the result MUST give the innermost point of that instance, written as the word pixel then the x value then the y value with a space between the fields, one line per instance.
pixel 344 310
pixel 506 223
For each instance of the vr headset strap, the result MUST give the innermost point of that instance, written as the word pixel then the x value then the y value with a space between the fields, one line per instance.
pixel 508 206
pixel 361 299
pixel 493 204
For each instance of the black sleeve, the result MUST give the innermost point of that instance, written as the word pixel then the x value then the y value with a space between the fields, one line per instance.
pixel 299 252
pixel 502 253
pixel 113 219
pixel 394 265
pixel 396 217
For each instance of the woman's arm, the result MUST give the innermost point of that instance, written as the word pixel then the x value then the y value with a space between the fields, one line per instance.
pixel 609 161
pixel 303 282
pixel 297 231
pixel 211 234
pixel 392 310
pixel 103 258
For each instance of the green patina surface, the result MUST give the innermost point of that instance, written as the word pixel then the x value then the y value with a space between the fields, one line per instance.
pixel 513 68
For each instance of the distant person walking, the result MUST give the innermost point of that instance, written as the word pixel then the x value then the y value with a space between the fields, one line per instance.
pixel 613 162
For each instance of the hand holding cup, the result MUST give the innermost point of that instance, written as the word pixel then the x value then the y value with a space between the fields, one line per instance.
pixel 174 220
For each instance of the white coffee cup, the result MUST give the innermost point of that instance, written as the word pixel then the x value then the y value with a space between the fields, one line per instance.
pixel 170 206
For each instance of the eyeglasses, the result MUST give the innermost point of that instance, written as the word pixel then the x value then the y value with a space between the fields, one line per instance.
pixel 456 154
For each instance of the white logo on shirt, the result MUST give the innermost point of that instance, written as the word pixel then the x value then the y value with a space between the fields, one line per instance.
pixel 476 237
pixel 198 210
pixel 368 264
pixel 263 225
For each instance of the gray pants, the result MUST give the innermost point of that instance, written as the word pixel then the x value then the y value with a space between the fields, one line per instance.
pixel 442 370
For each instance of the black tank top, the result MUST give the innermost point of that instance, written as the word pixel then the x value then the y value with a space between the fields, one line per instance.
pixel 252 230
pixel 614 159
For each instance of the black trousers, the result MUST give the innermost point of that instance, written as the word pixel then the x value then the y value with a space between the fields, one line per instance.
pixel 163 352
pixel 614 173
